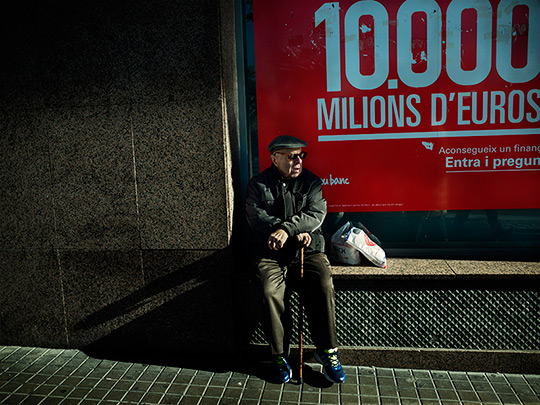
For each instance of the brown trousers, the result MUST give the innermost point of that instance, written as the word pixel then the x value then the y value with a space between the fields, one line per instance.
pixel 316 292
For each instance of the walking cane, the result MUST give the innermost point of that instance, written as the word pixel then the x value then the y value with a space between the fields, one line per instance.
pixel 301 320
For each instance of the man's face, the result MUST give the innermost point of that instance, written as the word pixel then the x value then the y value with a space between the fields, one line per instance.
pixel 289 168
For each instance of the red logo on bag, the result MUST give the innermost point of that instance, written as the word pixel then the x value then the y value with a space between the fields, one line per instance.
pixel 369 242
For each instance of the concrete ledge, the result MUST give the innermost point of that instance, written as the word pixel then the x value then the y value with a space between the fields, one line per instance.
pixel 493 361
pixel 503 361
pixel 440 268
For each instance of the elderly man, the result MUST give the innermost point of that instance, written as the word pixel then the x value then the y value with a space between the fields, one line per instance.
pixel 285 210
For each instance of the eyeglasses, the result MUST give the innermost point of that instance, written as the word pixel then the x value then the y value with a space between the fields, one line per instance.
pixel 293 156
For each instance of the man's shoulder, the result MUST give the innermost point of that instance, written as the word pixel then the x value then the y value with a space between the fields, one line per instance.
pixel 263 176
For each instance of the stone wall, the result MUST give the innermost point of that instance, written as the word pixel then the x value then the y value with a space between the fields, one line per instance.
pixel 115 173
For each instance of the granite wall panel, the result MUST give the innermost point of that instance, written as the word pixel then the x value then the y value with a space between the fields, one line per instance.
pixel 180 177
pixel 26 200
pixel 93 281
pixel 84 53
pixel 31 309
pixel 93 177
pixel 175 53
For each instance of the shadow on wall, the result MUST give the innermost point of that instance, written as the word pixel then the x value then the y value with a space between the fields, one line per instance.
pixel 181 309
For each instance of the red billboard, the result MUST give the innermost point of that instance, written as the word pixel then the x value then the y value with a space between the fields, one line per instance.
pixel 406 105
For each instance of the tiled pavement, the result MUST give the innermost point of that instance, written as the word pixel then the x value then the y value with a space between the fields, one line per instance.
pixel 53 376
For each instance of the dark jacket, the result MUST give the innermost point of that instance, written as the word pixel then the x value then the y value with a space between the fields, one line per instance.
pixel 295 205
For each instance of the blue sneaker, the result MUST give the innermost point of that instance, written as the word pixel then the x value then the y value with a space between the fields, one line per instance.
pixel 283 370
pixel 332 368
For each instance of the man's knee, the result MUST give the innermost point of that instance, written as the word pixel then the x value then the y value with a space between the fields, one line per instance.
pixel 318 270
pixel 271 281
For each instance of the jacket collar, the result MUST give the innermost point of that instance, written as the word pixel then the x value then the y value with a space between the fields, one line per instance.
pixel 294 183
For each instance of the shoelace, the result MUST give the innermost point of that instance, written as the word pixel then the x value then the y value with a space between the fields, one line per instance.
pixel 333 359
pixel 281 361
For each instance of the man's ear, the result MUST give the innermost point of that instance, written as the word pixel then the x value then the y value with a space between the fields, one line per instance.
pixel 273 158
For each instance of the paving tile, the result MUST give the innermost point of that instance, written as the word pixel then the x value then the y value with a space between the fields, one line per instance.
pixel 290 396
pixel 463 385
pixel 195 390
pixel 189 400
pixel 61 391
pixel 390 401
pixel 270 395
pixel 171 399
pixel 218 380
pixel 369 390
pixel 34 400
pixel 232 392
pixel 79 392
pixel 177 388
pixel 349 389
pixel 371 380
pixel 443 384
pixel 410 401
pixel 482 386
pixel 424 383
pixel 114 395
pixel 201 380
pixel 141 386
pixel 329 398
pixel 529 399
pixel 250 401
pixel 509 399
pixel 251 393
pixel 27 388
pixel 3 396
pixel 152 397
pixel 523 389
pixel 105 384
pixel 16 399
pixel 488 397
pixel 89 382
pixel 448 395
pixel 369 400
pixel 167 376
pixel 385 372
pixel 426 394
pixel 386 380
pixel 430 402
pixel 408 393
pixel 96 394
pixel 388 391
pixel 310 398
pixel 469 396
pixel 133 396
pixel 216 391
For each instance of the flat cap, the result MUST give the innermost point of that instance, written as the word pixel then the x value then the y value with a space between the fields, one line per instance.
pixel 286 141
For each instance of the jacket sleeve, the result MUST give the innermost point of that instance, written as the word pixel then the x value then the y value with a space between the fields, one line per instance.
pixel 261 223
pixel 312 214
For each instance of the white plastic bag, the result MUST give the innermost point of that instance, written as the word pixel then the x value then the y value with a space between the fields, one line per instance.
pixel 359 240
pixel 341 251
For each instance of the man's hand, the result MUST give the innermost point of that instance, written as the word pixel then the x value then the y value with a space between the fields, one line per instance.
pixel 304 239
pixel 277 239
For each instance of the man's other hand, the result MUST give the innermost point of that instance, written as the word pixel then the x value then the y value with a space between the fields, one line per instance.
pixel 304 239
pixel 277 239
